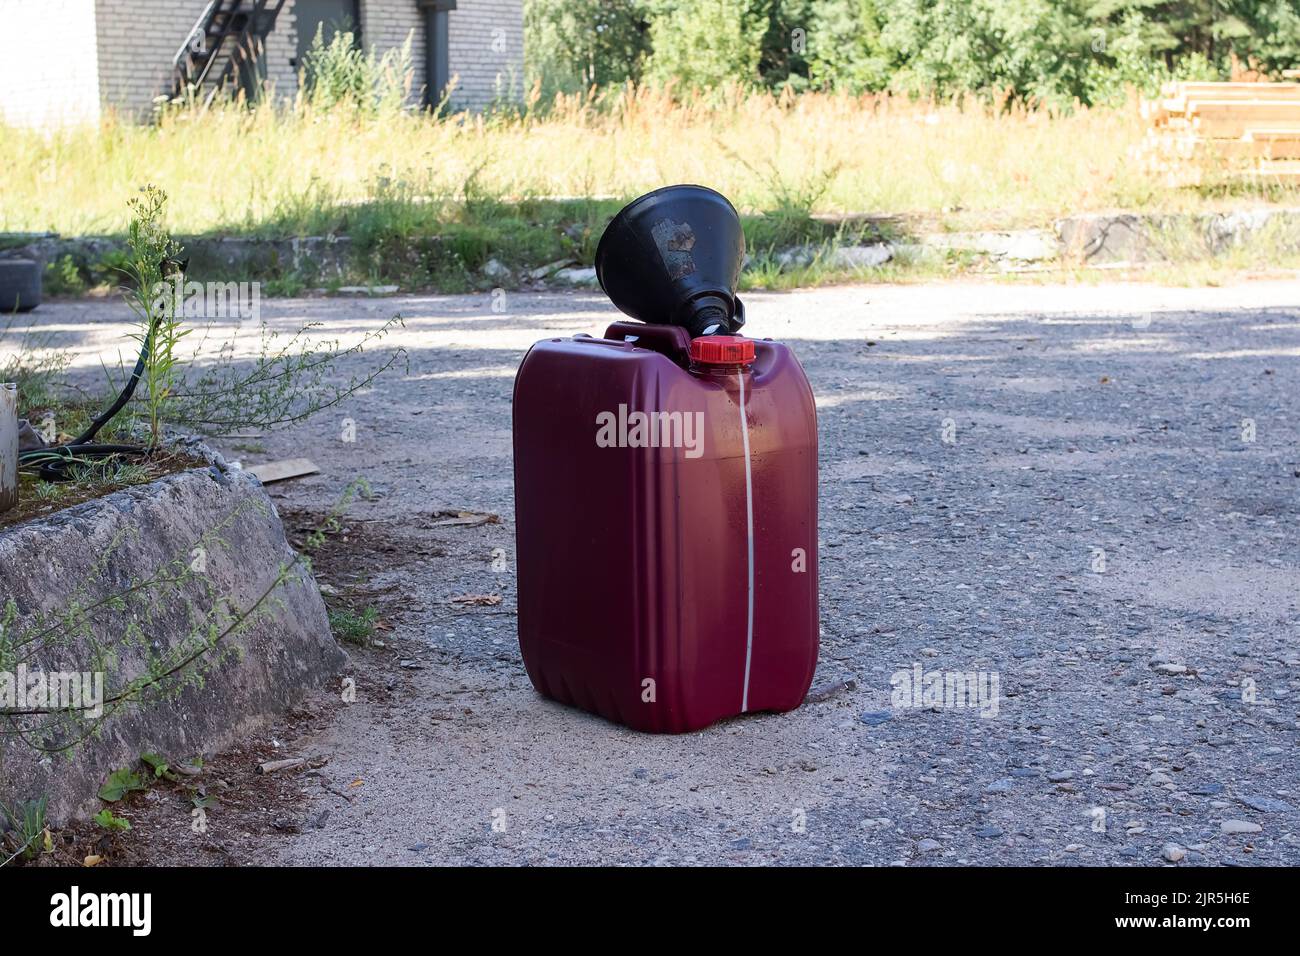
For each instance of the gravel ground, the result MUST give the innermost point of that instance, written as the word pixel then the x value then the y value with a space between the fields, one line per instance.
pixel 1089 493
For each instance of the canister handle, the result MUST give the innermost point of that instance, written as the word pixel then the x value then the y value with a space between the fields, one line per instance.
pixel 670 340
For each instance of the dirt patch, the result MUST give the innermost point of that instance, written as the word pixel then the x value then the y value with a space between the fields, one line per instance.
pixel 354 550
pixel 244 812
pixel 39 499
pixel 213 818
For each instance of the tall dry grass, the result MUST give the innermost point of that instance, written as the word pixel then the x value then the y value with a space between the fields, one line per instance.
pixel 278 169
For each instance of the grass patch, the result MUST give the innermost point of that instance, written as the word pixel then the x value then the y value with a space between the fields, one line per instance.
pixel 305 170
pixel 39 499
pixel 352 627
pixel 428 202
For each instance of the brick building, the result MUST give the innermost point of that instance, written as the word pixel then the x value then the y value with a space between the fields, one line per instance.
pixel 63 61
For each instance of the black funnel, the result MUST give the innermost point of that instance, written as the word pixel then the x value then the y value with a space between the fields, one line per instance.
pixel 673 257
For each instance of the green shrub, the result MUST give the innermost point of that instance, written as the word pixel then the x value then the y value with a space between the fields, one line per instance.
pixel 63 277
pixel 341 73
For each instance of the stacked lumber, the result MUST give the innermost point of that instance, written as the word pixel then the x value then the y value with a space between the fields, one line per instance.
pixel 1247 129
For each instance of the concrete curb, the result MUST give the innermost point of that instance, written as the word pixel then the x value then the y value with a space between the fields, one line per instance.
pixel 1087 239
pixel 1091 239
pixel 222 528
pixel 234 256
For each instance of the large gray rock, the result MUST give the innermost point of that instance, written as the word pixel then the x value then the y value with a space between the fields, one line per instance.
pixel 1098 238
pixel 1121 237
pixel 79 574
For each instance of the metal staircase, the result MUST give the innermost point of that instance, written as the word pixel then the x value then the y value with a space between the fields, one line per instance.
pixel 221 51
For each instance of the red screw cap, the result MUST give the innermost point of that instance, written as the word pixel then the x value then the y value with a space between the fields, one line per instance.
pixel 722 350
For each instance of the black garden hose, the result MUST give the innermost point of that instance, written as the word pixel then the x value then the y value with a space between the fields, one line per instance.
pixel 55 462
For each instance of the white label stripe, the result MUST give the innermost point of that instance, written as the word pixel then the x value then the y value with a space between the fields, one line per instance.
pixel 749 527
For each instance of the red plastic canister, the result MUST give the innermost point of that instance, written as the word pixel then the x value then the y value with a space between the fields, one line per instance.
pixel 666 525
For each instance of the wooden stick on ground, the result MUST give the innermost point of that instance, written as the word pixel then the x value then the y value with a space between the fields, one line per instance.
pixel 271 766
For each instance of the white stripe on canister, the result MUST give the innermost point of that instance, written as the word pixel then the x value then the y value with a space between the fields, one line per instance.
pixel 749 525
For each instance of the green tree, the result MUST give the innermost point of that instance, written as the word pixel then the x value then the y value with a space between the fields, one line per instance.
pixel 575 44
pixel 703 44
pixel 1212 31
pixel 843 47
pixel 783 50
pixel 1038 48
pixel 1054 50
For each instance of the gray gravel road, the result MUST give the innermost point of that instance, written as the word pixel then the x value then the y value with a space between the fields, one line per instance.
pixel 1089 493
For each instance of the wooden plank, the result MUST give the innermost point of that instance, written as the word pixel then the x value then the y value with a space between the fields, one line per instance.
pixel 1236 128
pixel 283 470
pixel 1230 91
pixel 1259 149
pixel 1271 143
pixel 1253 109
pixel 1270 135
pixel 1280 167
pixel 1250 129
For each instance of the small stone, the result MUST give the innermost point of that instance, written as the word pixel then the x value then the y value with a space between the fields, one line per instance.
pixel 1002 785
pixel 989 832
pixel 541 272
pixel 861 257
pixel 928 846
pixel 494 269
pixel 1239 826
pixel 1267 804
pixel 1060 776
pixel 367 290
pixel 1173 852
pixel 575 276
pixel 1170 668
pixel 874 718
pixel 1073 847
